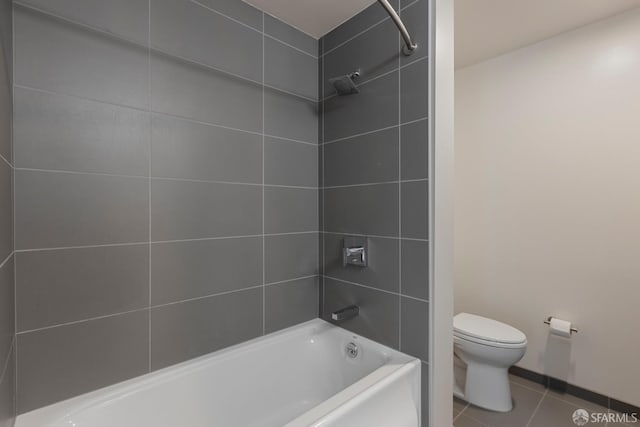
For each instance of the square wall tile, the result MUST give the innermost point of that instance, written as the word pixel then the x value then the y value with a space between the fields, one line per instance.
pixel 59 56
pixel 7 391
pixel 6 104
pixel 58 363
pixel 7 313
pixel 190 31
pixel 290 303
pixel 414 148
pixel 60 132
pixel 362 159
pixel 414 97
pixel 189 150
pixel 189 329
pixel 191 269
pixel 414 339
pixel 415 209
pixel 290 70
pixel 194 209
pixel 185 89
pixel 56 210
pixel 290 210
pixel 6 35
pixel 67 285
pixel 6 210
pixel 238 10
pixel 290 35
pixel 382 262
pixel 367 209
pixel 415 268
pixel 290 163
pixel 290 256
pixel 378 318
pixel 357 24
pixel 290 116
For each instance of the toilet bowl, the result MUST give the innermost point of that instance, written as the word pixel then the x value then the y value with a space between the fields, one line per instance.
pixel 488 348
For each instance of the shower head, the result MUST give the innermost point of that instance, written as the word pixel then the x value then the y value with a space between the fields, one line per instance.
pixel 345 85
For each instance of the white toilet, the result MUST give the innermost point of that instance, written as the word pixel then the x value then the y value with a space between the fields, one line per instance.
pixel 488 348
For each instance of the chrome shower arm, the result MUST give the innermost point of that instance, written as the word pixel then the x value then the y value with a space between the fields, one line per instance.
pixel 409 46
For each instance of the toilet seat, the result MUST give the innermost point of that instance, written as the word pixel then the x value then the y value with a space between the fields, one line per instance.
pixel 488 343
pixel 482 330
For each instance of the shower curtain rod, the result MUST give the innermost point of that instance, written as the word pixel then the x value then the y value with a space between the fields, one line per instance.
pixel 409 45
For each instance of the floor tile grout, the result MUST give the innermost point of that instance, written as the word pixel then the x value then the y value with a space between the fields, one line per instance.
pixel 460 413
pixel 544 395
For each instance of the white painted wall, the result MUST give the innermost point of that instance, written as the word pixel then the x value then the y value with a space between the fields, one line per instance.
pixel 548 200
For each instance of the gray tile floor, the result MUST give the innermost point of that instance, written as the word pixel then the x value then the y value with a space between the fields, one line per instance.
pixel 534 406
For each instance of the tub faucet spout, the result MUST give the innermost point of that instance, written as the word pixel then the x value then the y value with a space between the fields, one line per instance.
pixel 345 313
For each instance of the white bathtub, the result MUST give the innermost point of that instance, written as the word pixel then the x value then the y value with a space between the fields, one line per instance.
pixel 301 376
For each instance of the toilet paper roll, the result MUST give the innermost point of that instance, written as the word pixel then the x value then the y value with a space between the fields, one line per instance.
pixel 560 327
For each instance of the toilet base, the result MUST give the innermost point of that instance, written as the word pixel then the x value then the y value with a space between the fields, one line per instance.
pixel 487 387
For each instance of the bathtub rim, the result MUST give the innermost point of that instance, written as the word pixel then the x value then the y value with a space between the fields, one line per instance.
pixel 358 392
pixel 56 412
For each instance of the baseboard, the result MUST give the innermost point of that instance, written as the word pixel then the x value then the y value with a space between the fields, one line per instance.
pixel 565 387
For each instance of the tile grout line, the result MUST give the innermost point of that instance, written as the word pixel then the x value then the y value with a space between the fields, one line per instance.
pixel 165 304
pixel 245 236
pixel 158 113
pixel 8 358
pixel 263 32
pixel 348 282
pixel 162 178
pixel 399 203
pixel 460 413
pixel 228 17
pixel 343 138
pixel 344 42
pixel 7 259
pixel 75 322
pixel 290 45
pixel 6 161
pixel 162 51
pixel 195 62
pixel 535 411
pixel 313 144
pixel 160 242
pixel 399 181
pixel 136 43
pixel 280 282
pixel 376 236
pixel 323 257
pixel 13 207
pixel 106 33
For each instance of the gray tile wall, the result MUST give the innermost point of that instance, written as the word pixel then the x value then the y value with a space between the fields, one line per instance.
pixel 374 156
pixel 166 156
pixel 7 257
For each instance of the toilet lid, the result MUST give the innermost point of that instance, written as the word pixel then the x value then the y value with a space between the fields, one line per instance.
pixel 486 329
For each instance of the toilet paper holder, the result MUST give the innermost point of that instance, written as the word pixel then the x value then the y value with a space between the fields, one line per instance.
pixel 548 322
